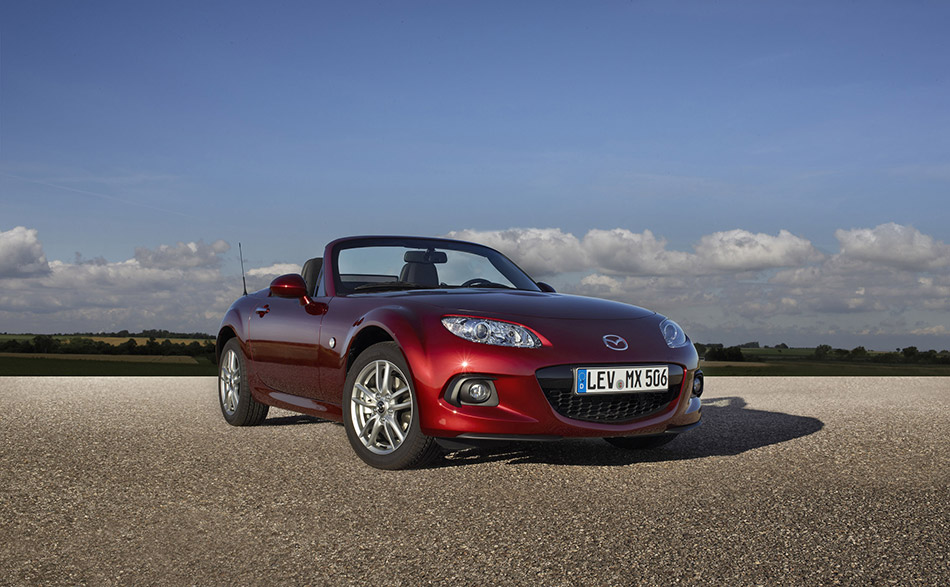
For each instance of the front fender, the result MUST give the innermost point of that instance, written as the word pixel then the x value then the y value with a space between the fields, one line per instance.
pixel 233 325
pixel 403 326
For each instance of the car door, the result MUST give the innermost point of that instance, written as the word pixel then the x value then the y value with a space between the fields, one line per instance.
pixel 284 341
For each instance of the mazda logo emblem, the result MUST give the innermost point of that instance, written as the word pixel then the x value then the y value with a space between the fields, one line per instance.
pixel 615 343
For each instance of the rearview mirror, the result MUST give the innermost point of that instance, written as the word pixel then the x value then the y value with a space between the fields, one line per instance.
pixel 429 256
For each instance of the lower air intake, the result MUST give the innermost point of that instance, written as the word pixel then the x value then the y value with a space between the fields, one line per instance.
pixel 607 408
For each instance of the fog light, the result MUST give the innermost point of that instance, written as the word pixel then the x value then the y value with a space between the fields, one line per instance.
pixel 475 391
pixel 479 392
pixel 698 384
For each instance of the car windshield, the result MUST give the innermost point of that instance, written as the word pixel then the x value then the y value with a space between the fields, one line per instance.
pixel 370 265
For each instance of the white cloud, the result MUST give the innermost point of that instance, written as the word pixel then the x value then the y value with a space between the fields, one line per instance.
pixel 623 252
pixel 274 270
pixel 741 250
pixel 894 245
pixel 887 279
pixel 937 330
pixel 21 253
pixel 539 251
pixel 174 287
pixel 741 281
pixel 182 255
pixel 549 251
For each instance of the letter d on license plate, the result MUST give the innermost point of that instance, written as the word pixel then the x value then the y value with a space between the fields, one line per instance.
pixel 621 379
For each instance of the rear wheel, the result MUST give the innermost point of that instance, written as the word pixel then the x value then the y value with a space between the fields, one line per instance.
pixel 234 394
pixel 380 411
pixel 641 442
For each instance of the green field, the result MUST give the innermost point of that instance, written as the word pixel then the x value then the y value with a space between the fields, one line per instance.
pixel 22 366
pixel 113 340
pixel 762 362
pixel 802 368
pixel 772 353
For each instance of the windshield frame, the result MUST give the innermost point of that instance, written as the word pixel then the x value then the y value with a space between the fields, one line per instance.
pixel 521 280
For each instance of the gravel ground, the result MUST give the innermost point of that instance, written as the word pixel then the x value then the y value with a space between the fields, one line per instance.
pixel 801 481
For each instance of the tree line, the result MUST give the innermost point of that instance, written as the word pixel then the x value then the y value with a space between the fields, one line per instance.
pixel 825 352
pixel 78 345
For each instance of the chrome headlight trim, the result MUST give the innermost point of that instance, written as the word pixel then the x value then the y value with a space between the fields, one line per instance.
pixel 673 334
pixel 493 332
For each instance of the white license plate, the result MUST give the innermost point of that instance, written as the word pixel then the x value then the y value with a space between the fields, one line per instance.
pixel 621 379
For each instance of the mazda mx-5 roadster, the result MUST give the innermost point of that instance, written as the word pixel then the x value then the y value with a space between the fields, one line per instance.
pixel 420 345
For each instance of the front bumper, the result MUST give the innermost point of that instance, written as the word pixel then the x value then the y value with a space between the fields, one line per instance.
pixel 542 406
pixel 534 387
pixel 474 439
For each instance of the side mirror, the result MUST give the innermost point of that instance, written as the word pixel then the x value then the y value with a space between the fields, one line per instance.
pixel 291 285
pixel 545 287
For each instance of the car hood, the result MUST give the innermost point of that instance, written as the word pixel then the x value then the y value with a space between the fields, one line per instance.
pixel 511 304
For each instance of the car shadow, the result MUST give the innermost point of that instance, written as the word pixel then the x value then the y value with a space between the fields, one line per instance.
pixel 729 428
pixel 294 420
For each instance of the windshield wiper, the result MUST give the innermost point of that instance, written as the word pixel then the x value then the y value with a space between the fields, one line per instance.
pixel 489 285
pixel 393 285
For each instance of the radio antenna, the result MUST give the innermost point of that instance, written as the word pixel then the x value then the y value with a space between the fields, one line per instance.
pixel 243 279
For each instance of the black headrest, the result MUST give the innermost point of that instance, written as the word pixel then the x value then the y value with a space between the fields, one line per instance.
pixel 310 272
pixel 420 273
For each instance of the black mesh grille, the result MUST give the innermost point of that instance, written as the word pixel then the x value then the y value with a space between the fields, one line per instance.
pixel 558 386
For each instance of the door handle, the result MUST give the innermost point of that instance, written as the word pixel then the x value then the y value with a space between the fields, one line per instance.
pixel 261 310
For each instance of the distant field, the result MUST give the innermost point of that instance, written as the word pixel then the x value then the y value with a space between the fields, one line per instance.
pixel 761 362
pixel 179 359
pixel 801 368
pixel 15 364
pixel 113 340
pixel 773 353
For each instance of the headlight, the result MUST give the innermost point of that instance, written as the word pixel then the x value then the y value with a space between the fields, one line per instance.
pixel 673 334
pixel 491 331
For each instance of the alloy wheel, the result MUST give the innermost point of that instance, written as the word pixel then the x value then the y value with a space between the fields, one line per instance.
pixel 229 382
pixel 381 407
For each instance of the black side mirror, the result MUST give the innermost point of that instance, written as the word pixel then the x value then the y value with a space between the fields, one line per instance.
pixel 545 287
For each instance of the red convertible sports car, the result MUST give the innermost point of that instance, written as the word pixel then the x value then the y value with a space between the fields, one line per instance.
pixel 422 344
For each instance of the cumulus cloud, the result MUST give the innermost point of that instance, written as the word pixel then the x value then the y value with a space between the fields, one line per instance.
pixel 178 287
pixel 21 253
pixel 894 245
pixel 741 250
pixel 743 281
pixel 182 255
pixel 274 270
pixel 623 252
pixel 886 279
pixel 539 251
pixel 549 251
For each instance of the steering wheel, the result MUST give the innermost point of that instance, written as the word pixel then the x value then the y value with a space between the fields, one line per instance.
pixel 476 281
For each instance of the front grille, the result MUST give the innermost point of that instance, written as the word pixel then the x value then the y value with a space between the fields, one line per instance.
pixel 608 408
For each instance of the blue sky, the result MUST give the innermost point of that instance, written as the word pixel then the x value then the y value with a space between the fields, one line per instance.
pixel 128 130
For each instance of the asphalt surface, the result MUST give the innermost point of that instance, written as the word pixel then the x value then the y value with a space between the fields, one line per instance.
pixel 801 481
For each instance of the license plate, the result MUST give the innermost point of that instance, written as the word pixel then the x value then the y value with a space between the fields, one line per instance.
pixel 621 379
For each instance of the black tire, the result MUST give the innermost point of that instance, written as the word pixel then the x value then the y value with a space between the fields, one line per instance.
pixel 238 406
pixel 641 442
pixel 379 406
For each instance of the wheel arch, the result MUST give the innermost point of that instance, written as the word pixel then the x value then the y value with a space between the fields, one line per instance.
pixel 224 335
pixel 394 323
pixel 365 338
